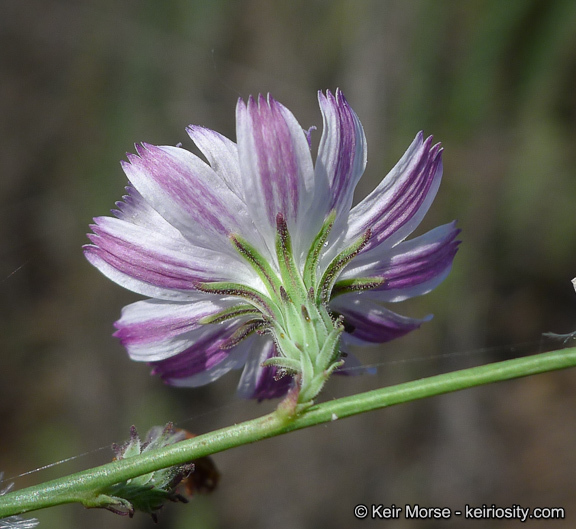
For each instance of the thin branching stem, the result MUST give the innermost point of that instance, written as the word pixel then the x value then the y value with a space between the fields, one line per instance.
pixel 84 486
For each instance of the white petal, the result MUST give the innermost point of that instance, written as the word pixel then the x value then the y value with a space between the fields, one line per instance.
pixel 191 196
pixel 276 166
pixel 221 153
pixel 153 330
pixel 396 207
pixel 341 159
pixel 236 359
pixel 160 263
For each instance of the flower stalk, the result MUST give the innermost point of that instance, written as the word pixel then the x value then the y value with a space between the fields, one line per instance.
pixel 84 487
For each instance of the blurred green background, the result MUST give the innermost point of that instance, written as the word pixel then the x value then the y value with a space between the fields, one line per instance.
pixel 81 81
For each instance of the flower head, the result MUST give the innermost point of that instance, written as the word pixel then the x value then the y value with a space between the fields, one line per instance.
pixel 257 258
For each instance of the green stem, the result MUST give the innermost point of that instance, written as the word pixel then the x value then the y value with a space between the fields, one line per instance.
pixel 84 487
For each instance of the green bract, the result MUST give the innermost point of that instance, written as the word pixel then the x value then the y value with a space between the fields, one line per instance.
pixel 295 310
pixel 146 493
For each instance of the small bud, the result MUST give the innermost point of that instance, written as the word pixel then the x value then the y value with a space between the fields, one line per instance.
pixel 149 492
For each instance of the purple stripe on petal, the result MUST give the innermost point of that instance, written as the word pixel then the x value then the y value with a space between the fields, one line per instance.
pixel 156 347
pixel 112 271
pixel 162 258
pixel 259 382
pixel 153 268
pixel 152 276
pixel 183 180
pixel 342 151
pixel 154 321
pixel 412 267
pixel 408 200
pixel 277 165
pixel 151 256
pixel 235 360
pixel 153 331
pixel 206 352
pixel 418 289
pixel 275 160
pixel 268 386
pixel 396 207
pixel 190 362
pixel 369 322
pixel 189 195
pixel 418 269
pixel 340 164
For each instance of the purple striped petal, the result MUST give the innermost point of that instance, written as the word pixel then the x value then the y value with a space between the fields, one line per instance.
pixel 368 322
pixel 189 194
pixel 411 268
pixel 395 208
pixel 341 158
pixel 205 360
pixel 159 264
pixel 155 330
pixel 259 382
pixel 275 162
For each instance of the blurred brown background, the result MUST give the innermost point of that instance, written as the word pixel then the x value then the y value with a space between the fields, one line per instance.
pixel 81 81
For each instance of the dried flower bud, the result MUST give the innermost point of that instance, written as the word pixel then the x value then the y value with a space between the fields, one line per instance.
pixel 205 477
